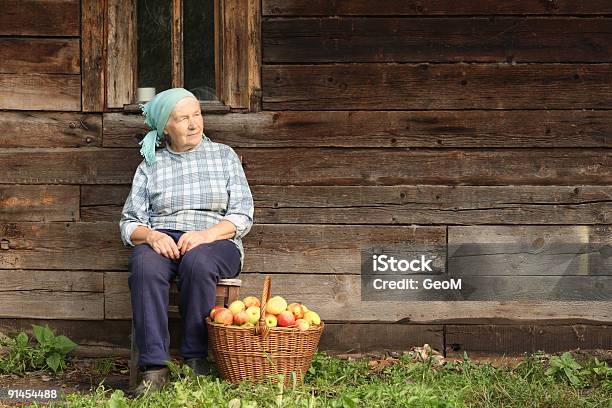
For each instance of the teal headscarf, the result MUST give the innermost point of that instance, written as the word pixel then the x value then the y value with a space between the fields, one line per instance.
pixel 156 113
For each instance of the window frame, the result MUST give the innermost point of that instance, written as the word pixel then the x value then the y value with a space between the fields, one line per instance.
pixel 237 34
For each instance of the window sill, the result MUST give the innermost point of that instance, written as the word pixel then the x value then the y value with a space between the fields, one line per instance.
pixel 206 106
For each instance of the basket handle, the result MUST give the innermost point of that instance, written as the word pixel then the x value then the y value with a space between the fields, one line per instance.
pixel 261 329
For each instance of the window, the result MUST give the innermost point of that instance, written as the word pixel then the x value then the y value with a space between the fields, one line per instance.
pixel 211 47
pixel 162 43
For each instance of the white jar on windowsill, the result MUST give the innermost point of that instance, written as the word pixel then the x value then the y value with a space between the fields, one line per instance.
pixel 145 94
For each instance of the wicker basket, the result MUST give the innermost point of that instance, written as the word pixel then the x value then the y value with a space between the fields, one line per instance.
pixel 254 353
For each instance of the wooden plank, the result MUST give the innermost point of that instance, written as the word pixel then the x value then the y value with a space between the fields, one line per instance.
pixel 178 73
pixel 94 195
pixel 49 129
pixel 234 46
pixel 432 204
pixel 337 299
pixel 40 92
pixel 40 17
pixel 531 250
pixel 333 248
pixel 93 81
pixel 63 246
pixel 423 204
pixel 439 86
pixel 518 339
pixel 271 248
pixel 480 39
pixel 317 166
pixel 70 166
pixel 120 63
pixel 478 128
pixel 363 338
pixel 53 281
pixel 40 55
pixel 436 7
pixel 254 54
pixel 39 203
pixel 50 304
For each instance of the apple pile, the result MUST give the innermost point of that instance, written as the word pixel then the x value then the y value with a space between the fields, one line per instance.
pixel 246 313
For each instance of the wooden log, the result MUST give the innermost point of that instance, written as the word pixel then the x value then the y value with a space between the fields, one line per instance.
pixel 374 86
pixel 93 79
pixel 423 204
pixel 40 56
pixel 50 129
pixel 518 339
pixel 465 128
pixel 39 203
pixel 337 299
pixel 317 166
pixel 436 39
pixel 40 18
pixel 438 7
pixel 40 92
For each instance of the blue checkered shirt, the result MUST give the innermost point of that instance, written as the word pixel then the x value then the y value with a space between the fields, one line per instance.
pixel 191 190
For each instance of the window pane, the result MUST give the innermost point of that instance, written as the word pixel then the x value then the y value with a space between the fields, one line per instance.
pixel 154 44
pixel 199 48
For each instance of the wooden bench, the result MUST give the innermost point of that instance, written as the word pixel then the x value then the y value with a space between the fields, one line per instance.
pixel 227 291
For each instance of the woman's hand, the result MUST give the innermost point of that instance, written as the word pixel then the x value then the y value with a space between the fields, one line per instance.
pixel 163 244
pixel 192 239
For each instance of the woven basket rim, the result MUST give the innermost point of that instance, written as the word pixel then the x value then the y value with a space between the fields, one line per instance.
pixel 276 329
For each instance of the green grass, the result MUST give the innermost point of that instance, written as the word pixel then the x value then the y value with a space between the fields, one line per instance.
pixel 332 382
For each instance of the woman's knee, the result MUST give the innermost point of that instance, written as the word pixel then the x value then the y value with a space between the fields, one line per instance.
pixel 202 261
pixel 148 263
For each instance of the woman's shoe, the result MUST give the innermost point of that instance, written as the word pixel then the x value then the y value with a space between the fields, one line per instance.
pixel 199 365
pixel 152 380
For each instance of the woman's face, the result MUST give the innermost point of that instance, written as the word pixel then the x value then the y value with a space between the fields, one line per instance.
pixel 185 125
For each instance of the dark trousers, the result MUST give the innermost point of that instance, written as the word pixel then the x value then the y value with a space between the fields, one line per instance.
pixel 199 270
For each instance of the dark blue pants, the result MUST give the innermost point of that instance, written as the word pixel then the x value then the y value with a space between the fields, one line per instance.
pixel 199 270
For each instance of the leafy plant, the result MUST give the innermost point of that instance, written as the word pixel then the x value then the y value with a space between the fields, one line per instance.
pixel 565 367
pixel 49 352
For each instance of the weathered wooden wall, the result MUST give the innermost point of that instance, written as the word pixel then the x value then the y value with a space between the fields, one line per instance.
pixel 383 121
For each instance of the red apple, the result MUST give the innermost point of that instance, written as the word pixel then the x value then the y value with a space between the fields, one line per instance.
pixel 285 319
pixel 302 324
pixel 241 318
pixel 271 320
pixel 214 310
pixel 251 301
pixel 296 309
pixel 224 316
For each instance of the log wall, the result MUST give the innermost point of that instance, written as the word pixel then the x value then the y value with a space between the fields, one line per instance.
pixel 383 122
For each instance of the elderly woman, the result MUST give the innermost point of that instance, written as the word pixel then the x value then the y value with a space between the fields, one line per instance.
pixel 189 208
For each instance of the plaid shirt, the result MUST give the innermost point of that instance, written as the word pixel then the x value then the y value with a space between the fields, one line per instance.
pixel 191 190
